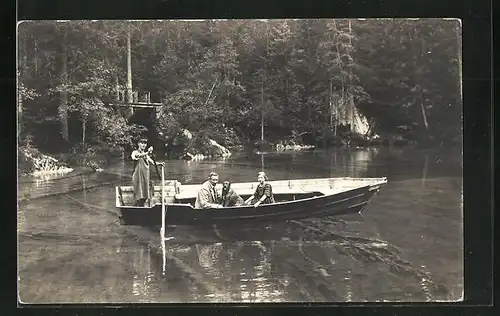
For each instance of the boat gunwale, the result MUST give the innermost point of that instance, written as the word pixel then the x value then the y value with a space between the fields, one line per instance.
pixel 187 205
pixel 381 180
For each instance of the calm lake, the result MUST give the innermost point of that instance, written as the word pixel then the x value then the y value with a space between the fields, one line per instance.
pixel 406 246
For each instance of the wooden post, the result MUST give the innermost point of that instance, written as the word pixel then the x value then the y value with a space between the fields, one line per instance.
pixel 164 255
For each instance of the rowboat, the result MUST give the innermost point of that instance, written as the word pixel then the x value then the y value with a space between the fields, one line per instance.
pixel 295 199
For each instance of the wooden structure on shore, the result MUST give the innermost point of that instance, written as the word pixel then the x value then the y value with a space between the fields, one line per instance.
pixel 133 103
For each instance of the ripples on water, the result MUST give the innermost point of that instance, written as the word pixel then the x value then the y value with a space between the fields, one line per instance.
pixel 406 247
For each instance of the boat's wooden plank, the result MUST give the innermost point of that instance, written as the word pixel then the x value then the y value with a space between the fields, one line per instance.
pixel 324 185
pixel 120 196
pixel 169 185
pixel 246 192
pixel 275 183
pixel 117 201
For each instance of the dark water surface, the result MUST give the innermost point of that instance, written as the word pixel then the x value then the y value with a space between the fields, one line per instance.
pixel 406 246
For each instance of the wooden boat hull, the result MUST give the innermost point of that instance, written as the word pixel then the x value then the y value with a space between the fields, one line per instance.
pixel 349 201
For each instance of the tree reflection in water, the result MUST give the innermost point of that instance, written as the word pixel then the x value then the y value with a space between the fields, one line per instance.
pixel 309 263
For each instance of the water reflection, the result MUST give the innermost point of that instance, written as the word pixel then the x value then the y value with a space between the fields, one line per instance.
pixel 72 248
pixel 308 262
pixel 424 171
pixel 341 162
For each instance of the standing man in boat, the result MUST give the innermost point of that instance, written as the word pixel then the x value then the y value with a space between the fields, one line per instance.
pixel 208 196
pixel 263 193
pixel 141 177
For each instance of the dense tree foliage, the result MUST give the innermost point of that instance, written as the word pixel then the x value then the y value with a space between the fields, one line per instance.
pixel 294 76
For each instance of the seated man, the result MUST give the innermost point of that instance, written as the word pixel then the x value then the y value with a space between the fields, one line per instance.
pixel 229 197
pixel 207 196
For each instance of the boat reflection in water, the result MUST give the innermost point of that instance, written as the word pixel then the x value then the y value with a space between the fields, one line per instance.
pixel 303 262
pixel 243 270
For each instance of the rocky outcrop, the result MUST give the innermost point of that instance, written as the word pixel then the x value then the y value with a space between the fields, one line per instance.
pixel 359 121
pixel 217 150
pixel 198 147
pixel 294 147
pixel 35 163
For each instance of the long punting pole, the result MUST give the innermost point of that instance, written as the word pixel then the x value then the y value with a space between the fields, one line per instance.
pixel 164 253
pixel 163 209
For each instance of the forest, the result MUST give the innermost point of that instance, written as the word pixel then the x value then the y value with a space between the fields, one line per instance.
pixel 237 81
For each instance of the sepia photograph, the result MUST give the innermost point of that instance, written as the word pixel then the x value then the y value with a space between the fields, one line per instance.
pixel 239 161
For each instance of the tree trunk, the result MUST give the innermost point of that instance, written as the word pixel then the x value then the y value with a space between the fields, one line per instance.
pixel 421 81
pixel 129 69
pixel 84 129
pixel 35 59
pixel 262 110
pixel 330 105
pixel 351 98
pixel 351 112
pixel 117 88
pixel 63 107
pixel 336 111
pixel 341 99
pixel 309 110
pixel 130 94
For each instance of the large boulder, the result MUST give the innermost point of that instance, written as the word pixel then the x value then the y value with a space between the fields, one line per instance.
pixel 217 150
pixel 196 147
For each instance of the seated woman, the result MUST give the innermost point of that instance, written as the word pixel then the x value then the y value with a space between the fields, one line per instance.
pixel 229 197
pixel 263 193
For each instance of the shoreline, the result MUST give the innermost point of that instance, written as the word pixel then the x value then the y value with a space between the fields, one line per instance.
pixel 53 174
pixel 69 170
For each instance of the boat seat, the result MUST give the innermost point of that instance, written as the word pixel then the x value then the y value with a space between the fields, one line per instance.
pixel 244 192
